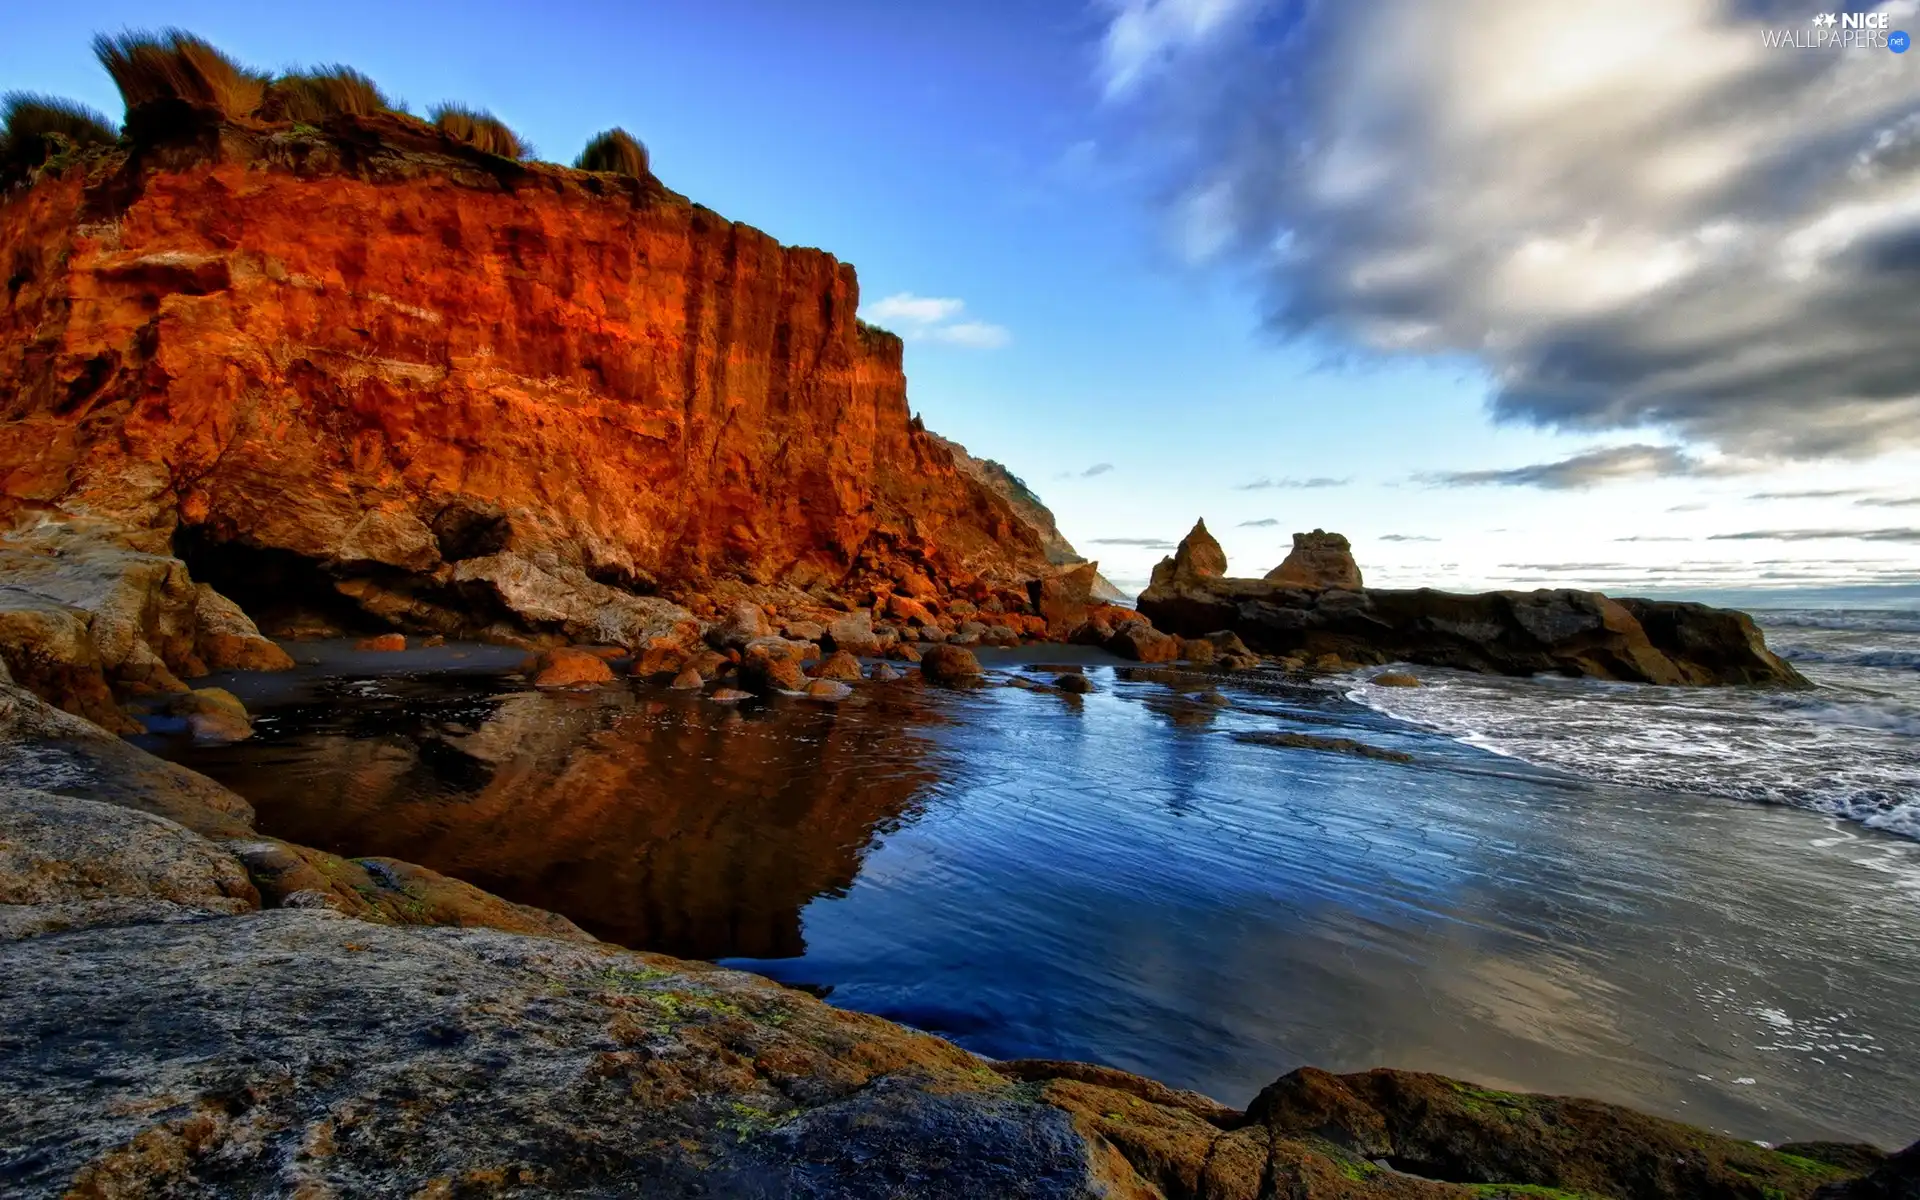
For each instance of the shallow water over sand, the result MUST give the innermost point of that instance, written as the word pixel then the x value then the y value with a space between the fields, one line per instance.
pixel 1118 878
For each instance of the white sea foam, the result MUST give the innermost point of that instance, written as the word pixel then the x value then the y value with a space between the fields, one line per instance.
pixel 1849 748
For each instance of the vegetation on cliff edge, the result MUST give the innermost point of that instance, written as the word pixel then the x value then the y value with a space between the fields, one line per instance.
pixel 36 129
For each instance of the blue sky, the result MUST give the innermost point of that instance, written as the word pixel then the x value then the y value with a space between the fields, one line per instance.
pixel 1102 196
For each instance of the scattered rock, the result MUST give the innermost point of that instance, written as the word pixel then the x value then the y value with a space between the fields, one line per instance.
pixel 213 715
pixel 1079 685
pixel 1398 679
pixel 1319 560
pixel 568 667
pixel 1309 741
pixel 905 652
pixel 1141 642
pixel 1198 651
pixel 950 665
pixel 708 663
pixel 883 673
pixel 688 680
pixel 828 689
pixel 803 631
pixel 727 695
pixel 660 656
pixel 854 634
pixel 772 665
pixel 745 622
pixel 908 611
pixel 839 665
pixel 386 643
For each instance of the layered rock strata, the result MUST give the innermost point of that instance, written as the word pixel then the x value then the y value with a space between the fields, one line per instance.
pixel 374 373
pixel 1307 609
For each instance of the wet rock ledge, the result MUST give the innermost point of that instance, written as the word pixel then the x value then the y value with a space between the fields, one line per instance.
pixel 188 1008
pixel 1314 605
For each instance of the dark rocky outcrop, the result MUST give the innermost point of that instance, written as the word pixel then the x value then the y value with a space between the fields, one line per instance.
pixel 1511 633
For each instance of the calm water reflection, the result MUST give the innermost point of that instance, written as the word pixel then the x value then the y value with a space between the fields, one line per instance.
pixel 1117 878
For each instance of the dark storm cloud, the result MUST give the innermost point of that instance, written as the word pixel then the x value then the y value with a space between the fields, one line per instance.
pixel 1624 210
pixel 1607 465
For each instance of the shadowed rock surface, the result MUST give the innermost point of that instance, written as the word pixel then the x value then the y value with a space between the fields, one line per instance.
pixel 1558 631
pixel 90 611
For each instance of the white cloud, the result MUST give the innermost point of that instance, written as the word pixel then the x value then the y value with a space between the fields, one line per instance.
pixel 909 309
pixel 974 335
pixel 930 318
pixel 1632 212
pixel 1145 34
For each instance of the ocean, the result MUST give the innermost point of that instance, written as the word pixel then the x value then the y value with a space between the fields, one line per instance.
pixel 1704 904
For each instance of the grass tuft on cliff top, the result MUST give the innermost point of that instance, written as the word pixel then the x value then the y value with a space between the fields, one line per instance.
pixel 615 152
pixel 480 129
pixel 35 129
pixel 175 65
pixel 310 97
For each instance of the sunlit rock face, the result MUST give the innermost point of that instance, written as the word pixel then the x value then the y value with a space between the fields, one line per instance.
pixel 461 392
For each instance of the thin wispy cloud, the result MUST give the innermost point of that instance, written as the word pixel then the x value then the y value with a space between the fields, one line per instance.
pixel 1262 523
pixel 1611 464
pixel 1894 502
pixel 934 319
pixel 1406 537
pixel 1096 469
pixel 1148 543
pixel 1810 494
pixel 1687 508
pixel 1627 211
pixel 1821 535
pixel 1647 537
pixel 908 309
pixel 1289 483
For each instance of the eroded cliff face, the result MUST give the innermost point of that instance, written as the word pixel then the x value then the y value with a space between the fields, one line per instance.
pixel 438 382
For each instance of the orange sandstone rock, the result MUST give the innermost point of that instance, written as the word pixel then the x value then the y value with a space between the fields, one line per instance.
pixel 530 396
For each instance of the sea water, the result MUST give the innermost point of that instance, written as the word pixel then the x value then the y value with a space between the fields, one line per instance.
pixel 1705 904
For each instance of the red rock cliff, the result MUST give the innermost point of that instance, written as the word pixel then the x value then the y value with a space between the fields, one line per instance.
pixel 422 370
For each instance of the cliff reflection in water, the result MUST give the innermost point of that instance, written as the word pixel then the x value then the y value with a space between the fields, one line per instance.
pixel 669 823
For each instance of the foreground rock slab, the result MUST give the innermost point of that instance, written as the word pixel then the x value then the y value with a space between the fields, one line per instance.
pixel 307 1053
